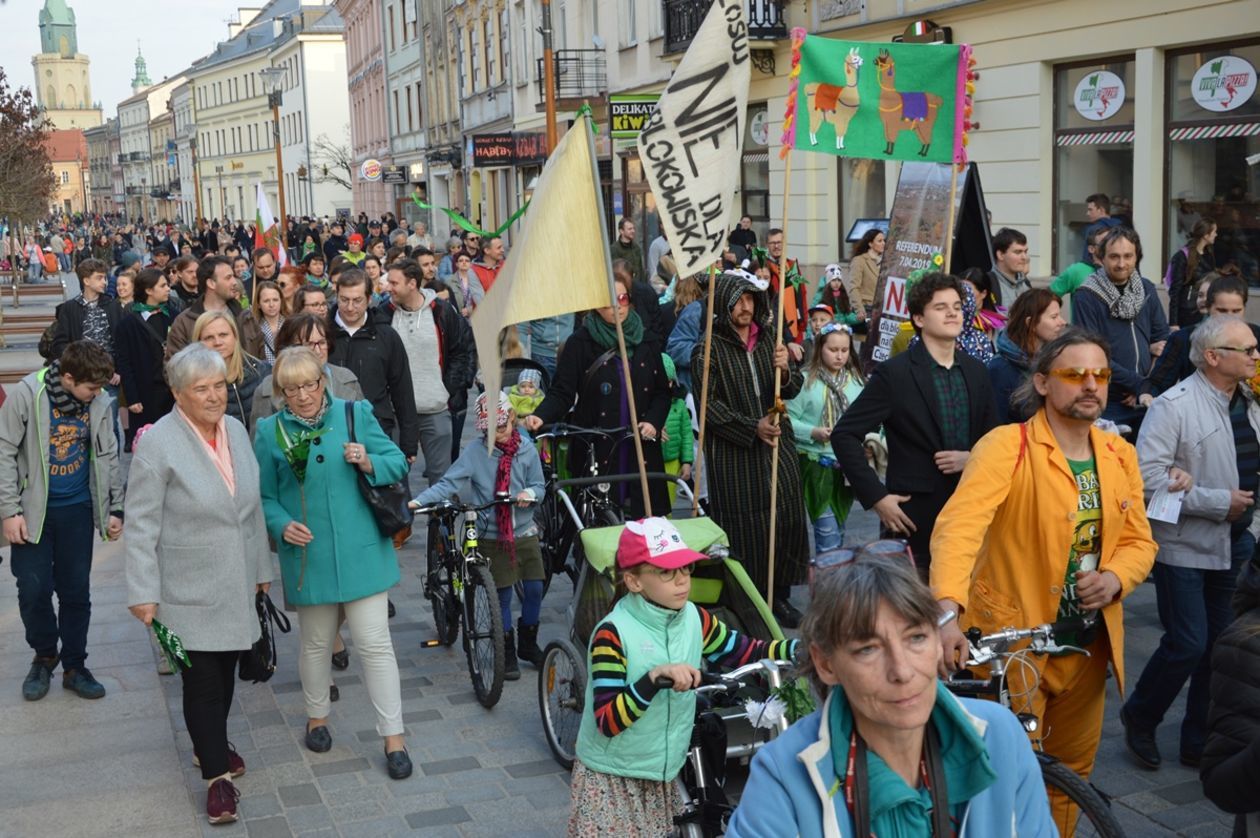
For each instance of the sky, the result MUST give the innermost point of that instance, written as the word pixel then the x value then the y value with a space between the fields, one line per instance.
pixel 172 35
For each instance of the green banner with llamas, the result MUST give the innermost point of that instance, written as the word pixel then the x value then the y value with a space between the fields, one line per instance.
pixel 883 101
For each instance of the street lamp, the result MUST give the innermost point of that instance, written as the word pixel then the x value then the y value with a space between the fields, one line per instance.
pixel 273 83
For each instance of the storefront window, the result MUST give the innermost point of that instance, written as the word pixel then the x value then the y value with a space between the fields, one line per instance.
pixel 1093 138
pixel 1213 127
pixel 862 195
pixel 754 174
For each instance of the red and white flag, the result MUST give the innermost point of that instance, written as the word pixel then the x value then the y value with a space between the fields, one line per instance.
pixel 268 236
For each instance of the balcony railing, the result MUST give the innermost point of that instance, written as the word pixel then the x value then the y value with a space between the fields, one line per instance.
pixel 174 185
pixel 580 74
pixel 766 21
pixel 122 158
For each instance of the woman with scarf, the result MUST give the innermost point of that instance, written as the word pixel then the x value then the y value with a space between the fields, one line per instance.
pixel 590 373
pixel 891 751
pixel 139 351
pixel 218 330
pixel 331 553
pixel 196 554
pixel 465 286
pixel 509 535
pixel 833 380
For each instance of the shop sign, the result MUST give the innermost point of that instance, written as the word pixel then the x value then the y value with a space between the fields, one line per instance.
pixel 415 172
pixel 371 169
pixel 628 113
pixel 1223 84
pixel 393 174
pixel 492 149
pixel 759 128
pixel 529 148
pixel 1099 96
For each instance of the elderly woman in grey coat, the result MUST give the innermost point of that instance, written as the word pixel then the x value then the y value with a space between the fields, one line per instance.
pixel 197 553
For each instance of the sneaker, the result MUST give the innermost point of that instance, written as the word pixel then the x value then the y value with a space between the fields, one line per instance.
pixel 1141 743
pixel 81 681
pixel 35 686
pixel 236 765
pixel 787 614
pixel 221 801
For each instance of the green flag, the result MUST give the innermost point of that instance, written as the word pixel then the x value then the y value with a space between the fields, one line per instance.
pixel 883 101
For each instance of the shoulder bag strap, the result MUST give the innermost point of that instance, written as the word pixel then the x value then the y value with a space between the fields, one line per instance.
pixel 350 419
pixel 599 362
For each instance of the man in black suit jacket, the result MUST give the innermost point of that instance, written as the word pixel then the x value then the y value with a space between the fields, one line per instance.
pixel 934 402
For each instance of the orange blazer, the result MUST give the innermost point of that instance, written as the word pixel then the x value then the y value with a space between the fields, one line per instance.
pixel 1000 545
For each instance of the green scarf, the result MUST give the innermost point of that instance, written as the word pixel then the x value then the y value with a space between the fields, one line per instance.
pixel 605 334
pixel 143 307
pixel 897 810
pixel 295 441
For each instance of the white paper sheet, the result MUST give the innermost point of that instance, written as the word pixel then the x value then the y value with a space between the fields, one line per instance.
pixel 1165 506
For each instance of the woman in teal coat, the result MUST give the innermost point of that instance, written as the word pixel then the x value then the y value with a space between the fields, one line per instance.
pixel 308 473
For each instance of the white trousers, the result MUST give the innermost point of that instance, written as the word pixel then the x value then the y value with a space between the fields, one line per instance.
pixel 369 626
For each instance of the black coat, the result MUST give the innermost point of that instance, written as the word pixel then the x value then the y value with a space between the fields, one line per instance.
pixel 1231 755
pixel 69 321
pixel 599 404
pixel 139 352
pixel 901 397
pixel 376 355
pixel 458 358
pixel 241 394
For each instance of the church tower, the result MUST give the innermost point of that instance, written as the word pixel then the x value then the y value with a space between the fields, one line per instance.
pixel 141 80
pixel 62 86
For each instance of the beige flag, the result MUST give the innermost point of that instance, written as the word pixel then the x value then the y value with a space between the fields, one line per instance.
pixel 560 262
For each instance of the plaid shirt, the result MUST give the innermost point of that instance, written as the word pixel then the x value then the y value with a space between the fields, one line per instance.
pixel 951 396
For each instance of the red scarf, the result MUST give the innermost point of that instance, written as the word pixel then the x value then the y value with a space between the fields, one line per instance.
pixel 503 483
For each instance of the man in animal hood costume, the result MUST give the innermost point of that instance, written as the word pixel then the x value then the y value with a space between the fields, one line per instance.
pixel 738 441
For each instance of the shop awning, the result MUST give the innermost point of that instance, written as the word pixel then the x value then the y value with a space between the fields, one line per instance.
pixel 1211 132
pixel 1095 138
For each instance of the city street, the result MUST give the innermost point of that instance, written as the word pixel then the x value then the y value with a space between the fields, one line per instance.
pixel 123 765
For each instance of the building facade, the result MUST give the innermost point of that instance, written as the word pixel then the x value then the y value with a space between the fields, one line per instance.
pixel 443 174
pixel 100 183
pixel 68 157
pixel 137 151
pixel 63 85
pixel 314 113
pixel 163 166
pixel 184 189
pixel 403 171
pixel 369 132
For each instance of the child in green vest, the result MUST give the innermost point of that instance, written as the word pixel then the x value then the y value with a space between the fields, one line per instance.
pixel 526 394
pixel 678 443
pixel 635 736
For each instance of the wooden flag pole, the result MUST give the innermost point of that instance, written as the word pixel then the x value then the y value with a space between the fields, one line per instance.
pixel 634 415
pixel 704 392
pixel 778 379
pixel 950 233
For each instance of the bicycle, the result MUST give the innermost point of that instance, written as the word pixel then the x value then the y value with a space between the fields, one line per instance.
pixel 1094 816
pixel 721 697
pixel 461 591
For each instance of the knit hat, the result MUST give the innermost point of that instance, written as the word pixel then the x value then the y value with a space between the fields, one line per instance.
pixel 483 417
pixel 129 258
pixel 833 271
pixel 355 238
pixel 532 376
pixel 654 541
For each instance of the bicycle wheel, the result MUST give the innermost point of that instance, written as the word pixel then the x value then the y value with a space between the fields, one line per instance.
pixel 1090 815
pixel 439 588
pixel 562 698
pixel 483 635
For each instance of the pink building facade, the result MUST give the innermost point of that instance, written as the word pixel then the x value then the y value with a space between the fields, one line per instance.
pixel 365 68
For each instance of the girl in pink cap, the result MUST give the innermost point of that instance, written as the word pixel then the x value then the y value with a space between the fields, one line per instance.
pixel 635 735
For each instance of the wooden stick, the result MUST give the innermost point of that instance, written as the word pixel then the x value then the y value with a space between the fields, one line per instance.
pixel 778 380
pixel 704 392
pixel 953 217
pixel 634 416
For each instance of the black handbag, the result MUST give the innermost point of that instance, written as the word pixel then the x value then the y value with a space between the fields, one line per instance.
pixel 389 502
pixel 258 662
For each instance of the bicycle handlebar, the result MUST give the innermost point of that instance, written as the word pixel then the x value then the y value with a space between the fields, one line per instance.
pixel 984 648
pixel 447 507
pixel 578 482
pixel 559 430
pixel 725 682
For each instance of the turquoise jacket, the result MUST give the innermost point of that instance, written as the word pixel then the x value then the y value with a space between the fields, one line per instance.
pixel 806 412
pixel 349 558
pixel 654 747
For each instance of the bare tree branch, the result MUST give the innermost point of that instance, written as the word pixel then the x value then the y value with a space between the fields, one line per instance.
pixel 27 183
pixel 332 162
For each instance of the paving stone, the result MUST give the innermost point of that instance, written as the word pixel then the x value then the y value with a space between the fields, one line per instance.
pixel 340 767
pixel 308 817
pixel 438 817
pixel 339 782
pixel 419 681
pixel 1187 792
pixel 266 718
pixel 303 795
pixel 420 716
pixel 259 806
pixel 1181 817
pixel 280 754
pixel 392 825
pixel 357 810
pixel 448 766
pixel 533 769
pixel 287 687
pixel 269 828
pixel 474 794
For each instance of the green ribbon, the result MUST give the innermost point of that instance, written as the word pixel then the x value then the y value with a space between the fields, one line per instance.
pixel 172 647
pixel 463 223
pixel 585 110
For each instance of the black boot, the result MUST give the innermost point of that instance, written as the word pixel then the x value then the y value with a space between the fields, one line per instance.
pixel 511 669
pixel 527 647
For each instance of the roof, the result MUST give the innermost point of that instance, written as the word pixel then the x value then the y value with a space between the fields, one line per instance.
pixel 258 36
pixel 69 144
pixel 330 21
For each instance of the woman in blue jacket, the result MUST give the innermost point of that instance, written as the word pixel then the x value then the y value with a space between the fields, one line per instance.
pixel 891 752
pixel 331 552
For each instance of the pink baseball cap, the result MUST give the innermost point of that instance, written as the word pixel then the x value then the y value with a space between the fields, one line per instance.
pixel 654 541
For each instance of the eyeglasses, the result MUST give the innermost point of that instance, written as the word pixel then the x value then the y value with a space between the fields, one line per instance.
pixel 322 305
pixel 316 344
pixel 1253 350
pixel 348 303
pixel 307 387
pixel 1076 375
pixel 668 575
